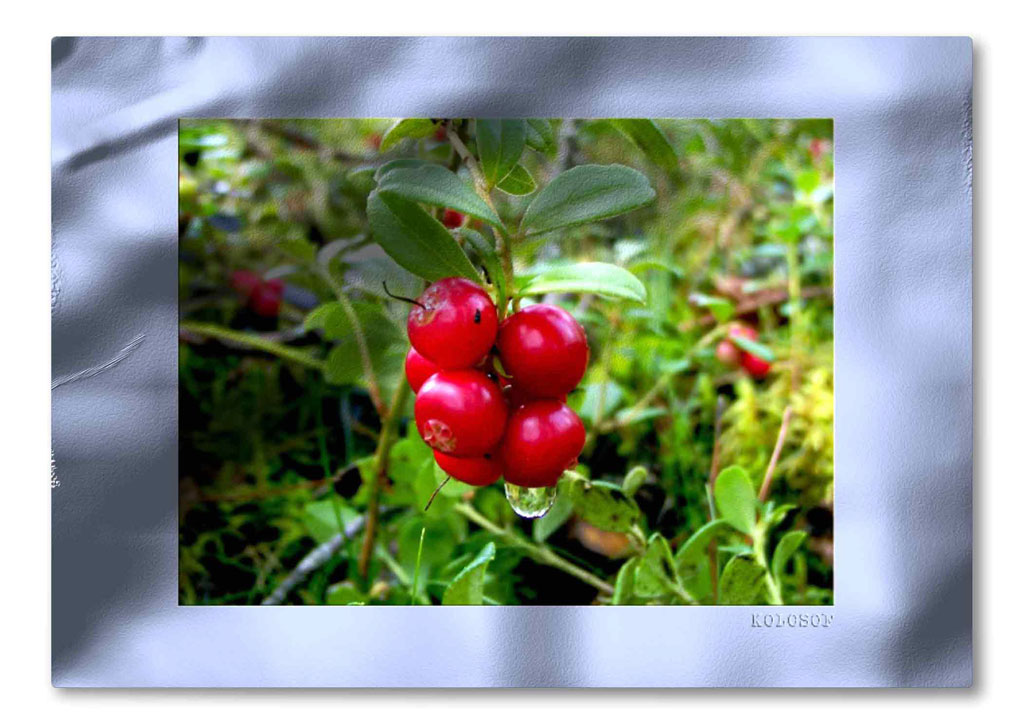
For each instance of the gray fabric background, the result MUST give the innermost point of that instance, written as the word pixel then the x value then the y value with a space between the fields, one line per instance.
pixel 902 109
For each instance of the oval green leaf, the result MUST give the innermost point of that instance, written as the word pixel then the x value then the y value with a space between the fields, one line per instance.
pixel 587 193
pixel 407 128
pixel 593 277
pixel 650 139
pixel 467 588
pixel 500 143
pixel 518 182
pixel 787 546
pixel 602 504
pixel 735 499
pixel 415 239
pixel 742 582
pixel 436 185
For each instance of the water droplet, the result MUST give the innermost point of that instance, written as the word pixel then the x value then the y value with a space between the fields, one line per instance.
pixel 530 502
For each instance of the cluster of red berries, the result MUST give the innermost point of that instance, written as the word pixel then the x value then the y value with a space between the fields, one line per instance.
pixel 263 296
pixel 490 399
pixel 728 353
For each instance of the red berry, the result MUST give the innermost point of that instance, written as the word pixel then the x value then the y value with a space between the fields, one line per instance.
pixel 757 368
pixel 417 369
pixel 266 300
pixel 474 471
pixel 727 353
pixel 245 282
pixel 452 219
pixel 461 413
pixel 517 397
pixel 542 440
pixel 374 141
pixel 440 134
pixel 544 350
pixel 456 324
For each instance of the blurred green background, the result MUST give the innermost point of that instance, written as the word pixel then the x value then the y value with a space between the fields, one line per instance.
pixel 277 426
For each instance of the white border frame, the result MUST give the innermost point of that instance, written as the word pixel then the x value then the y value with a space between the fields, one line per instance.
pixel 902 110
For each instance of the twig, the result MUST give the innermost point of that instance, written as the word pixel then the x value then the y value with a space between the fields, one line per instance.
pixel 317 557
pixel 251 341
pixel 764 298
pixel 538 553
pixel 779 442
pixel 380 472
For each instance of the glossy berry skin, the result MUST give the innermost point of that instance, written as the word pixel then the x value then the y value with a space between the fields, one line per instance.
pixel 542 440
pixel 755 366
pixel 517 397
pixel 544 350
pixel 477 471
pixel 456 325
pixel 452 219
pixel 417 369
pixel 461 413
pixel 266 299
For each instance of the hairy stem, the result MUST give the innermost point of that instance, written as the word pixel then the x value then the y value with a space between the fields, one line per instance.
pixel 539 553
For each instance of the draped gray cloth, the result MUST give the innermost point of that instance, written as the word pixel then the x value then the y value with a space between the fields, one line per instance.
pixel 902 110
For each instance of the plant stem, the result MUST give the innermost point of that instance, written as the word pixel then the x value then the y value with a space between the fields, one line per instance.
pixel 253 341
pixel 766 486
pixel 537 552
pixel 503 245
pixel 712 474
pixel 416 575
pixel 774 594
pixel 380 472
pixel 372 386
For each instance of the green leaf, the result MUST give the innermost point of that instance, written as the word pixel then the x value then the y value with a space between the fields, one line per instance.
pixel 467 588
pixel 407 128
pixel 755 348
pixel 324 519
pixel 650 139
pixel 554 519
pixel 655 573
pixel 540 135
pixel 436 185
pixel 488 257
pixel 634 479
pixel 787 546
pixel 601 504
pixel 398 163
pixel 735 499
pixel 585 277
pixel 721 309
pixel 301 249
pixel 774 516
pixel 624 582
pixel 696 546
pixel 415 239
pixel 587 193
pixel 742 582
pixel 344 363
pixel 345 594
pixel 499 142
pixel 518 182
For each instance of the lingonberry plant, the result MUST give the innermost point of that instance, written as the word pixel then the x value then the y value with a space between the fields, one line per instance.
pixel 518 361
